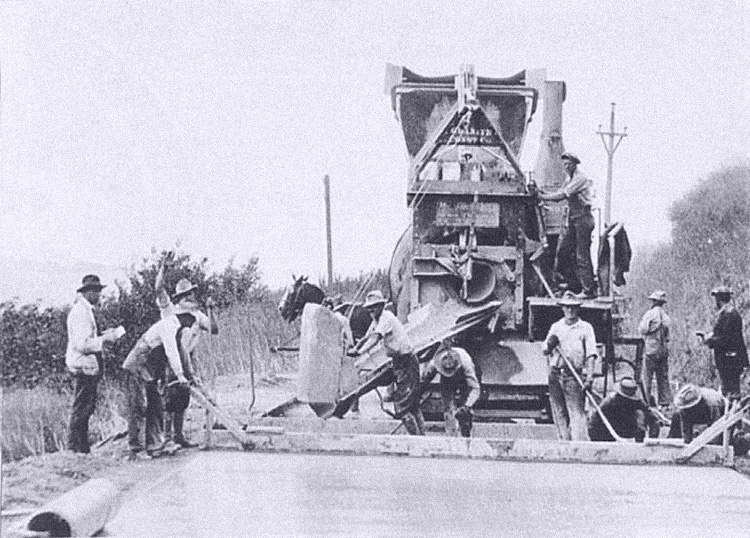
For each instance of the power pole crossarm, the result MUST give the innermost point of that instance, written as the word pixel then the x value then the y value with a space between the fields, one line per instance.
pixel 611 140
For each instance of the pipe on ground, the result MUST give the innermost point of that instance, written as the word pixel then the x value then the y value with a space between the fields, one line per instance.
pixel 83 511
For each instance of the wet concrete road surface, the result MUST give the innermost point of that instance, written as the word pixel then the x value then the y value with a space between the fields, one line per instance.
pixel 228 494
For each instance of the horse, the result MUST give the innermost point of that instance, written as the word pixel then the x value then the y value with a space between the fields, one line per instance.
pixel 302 292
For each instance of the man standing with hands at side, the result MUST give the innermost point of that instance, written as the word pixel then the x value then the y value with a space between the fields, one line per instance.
pixel 573 339
pixel 83 359
pixel 728 343
pixel 654 328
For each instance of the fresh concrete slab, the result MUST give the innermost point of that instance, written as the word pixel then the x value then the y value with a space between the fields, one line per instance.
pixel 252 494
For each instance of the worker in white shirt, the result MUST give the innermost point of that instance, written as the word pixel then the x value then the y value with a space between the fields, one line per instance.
pixel 177 395
pixel 158 347
pixel 83 358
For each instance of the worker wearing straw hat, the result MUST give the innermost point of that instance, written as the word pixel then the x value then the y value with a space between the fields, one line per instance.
pixel 177 395
pixel 459 386
pixel 654 327
pixel 386 328
pixel 573 339
pixel 695 405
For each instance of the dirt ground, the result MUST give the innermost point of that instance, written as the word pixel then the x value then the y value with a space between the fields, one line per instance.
pixel 30 483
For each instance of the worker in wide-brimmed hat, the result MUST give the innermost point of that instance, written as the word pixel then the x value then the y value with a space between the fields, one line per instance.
pixel 627 413
pixel 459 386
pixel 728 342
pixel 573 339
pixel 654 327
pixel 695 406
pixel 183 300
pixel 83 358
pixel 575 241
pixel 388 330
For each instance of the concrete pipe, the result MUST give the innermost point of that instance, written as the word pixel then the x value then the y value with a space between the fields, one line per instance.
pixel 482 283
pixel 83 511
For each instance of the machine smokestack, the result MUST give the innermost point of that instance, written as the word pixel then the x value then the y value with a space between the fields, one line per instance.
pixel 548 172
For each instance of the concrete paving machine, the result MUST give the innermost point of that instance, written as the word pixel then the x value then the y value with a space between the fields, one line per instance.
pixel 473 261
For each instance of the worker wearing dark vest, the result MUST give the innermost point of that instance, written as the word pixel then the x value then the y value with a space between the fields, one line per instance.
pixel 728 343
pixel 157 348
pixel 626 412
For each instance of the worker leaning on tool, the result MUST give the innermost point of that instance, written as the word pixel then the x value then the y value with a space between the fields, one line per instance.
pixel 146 363
pixel 573 339
pixel 387 328
pixel 459 386
pixel 177 395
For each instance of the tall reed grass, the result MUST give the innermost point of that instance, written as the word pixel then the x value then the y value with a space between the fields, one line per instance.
pixel 35 421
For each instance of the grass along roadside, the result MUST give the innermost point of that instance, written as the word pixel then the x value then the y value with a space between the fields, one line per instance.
pixel 35 421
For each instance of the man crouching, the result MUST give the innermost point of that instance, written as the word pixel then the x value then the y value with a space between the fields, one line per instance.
pixel 459 386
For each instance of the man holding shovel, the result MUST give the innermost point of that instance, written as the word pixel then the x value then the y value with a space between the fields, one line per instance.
pixel 570 344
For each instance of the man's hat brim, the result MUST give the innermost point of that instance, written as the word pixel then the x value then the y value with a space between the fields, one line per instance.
pixel 619 391
pixel 87 287
pixel 183 293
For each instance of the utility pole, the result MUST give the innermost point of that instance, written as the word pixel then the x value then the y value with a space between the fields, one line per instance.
pixel 327 185
pixel 610 146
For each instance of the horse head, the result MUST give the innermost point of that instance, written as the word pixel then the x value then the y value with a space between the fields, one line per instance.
pixel 297 296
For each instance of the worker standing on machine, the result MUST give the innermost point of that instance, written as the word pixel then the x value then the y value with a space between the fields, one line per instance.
pixel 576 237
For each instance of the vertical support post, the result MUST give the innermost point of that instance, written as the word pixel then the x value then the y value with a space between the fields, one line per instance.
pixel 728 460
pixel 327 185
pixel 610 146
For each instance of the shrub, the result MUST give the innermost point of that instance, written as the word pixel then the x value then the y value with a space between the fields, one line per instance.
pixel 709 246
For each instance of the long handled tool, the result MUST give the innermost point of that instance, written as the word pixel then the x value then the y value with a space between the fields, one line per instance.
pixel 590 397
pixel 233 427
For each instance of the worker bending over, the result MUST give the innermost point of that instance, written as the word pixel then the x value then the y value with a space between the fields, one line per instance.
pixel 626 412
pixel 695 406
pixel 459 386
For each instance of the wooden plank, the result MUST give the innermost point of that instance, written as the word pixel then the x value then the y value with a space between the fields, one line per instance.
pixel 710 433
pixel 475 448
pixel 383 426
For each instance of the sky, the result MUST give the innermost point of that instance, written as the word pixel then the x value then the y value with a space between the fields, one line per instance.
pixel 132 126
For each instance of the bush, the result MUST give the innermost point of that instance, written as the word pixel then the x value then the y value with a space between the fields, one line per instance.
pixel 709 246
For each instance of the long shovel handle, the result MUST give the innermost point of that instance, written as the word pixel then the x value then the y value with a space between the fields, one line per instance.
pixel 591 398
